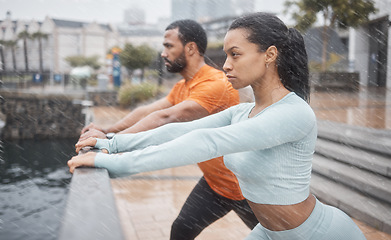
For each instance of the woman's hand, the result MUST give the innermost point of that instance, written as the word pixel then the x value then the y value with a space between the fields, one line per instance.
pixel 89 142
pixel 86 160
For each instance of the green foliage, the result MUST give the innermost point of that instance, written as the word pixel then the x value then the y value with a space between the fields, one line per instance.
pixel 344 13
pixel 130 94
pixel 332 64
pixel 39 35
pixel 79 61
pixel 24 35
pixel 137 57
pixel 216 45
pixel 341 13
pixel 9 43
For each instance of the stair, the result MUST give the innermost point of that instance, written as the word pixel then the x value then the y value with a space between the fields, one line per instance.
pixel 352 171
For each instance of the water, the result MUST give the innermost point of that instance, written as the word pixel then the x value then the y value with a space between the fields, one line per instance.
pixel 33 188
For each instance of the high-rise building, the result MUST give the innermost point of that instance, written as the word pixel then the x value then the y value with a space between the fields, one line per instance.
pixel 201 10
pixel 244 6
pixel 134 16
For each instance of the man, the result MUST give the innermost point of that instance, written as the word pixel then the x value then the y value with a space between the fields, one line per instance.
pixel 202 91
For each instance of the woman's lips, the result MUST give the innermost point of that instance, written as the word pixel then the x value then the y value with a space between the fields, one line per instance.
pixel 230 77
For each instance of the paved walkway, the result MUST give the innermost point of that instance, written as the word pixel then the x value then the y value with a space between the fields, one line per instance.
pixel 148 203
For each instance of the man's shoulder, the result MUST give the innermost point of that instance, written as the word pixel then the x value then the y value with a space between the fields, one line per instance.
pixel 209 73
pixel 211 70
pixel 179 83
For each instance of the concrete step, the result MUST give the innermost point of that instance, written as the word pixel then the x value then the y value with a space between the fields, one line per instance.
pixel 371 211
pixel 371 139
pixel 376 163
pixel 375 185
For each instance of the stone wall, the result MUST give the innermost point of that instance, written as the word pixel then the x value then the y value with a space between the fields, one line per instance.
pixel 39 116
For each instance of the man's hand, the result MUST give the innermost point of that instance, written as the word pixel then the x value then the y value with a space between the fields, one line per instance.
pixel 86 160
pixel 89 142
pixel 91 126
pixel 94 133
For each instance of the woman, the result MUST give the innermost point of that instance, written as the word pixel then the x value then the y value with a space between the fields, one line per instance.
pixel 268 144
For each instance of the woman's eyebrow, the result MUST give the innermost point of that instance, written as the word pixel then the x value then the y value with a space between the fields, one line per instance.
pixel 230 49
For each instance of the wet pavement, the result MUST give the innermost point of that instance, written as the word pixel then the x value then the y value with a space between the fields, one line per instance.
pixel 148 203
pixel 369 107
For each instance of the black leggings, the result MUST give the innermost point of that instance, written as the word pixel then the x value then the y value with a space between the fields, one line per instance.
pixel 203 207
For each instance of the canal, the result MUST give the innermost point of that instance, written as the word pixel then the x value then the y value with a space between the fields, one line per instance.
pixel 34 181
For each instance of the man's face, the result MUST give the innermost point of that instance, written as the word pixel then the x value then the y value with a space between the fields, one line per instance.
pixel 173 53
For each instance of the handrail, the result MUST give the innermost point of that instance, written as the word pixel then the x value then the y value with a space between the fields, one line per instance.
pixel 90 211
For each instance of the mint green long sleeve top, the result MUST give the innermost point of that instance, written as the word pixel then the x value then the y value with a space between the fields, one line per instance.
pixel 270 153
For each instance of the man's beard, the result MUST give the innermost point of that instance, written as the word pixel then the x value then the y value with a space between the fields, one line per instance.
pixel 177 65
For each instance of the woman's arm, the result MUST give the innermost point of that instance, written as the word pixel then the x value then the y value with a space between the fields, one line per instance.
pixel 274 127
pixel 165 133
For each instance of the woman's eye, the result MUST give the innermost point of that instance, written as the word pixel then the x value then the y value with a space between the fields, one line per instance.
pixel 234 54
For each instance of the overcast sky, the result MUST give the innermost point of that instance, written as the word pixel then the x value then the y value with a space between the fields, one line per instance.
pixel 101 11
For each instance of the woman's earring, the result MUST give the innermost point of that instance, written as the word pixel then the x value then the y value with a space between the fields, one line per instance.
pixel 267 65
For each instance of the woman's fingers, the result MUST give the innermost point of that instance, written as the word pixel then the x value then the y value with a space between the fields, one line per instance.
pixel 89 142
pixel 86 160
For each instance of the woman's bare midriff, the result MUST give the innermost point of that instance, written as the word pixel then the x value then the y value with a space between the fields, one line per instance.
pixel 283 217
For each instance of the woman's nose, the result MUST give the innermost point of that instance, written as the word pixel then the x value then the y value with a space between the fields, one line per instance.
pixel 227 66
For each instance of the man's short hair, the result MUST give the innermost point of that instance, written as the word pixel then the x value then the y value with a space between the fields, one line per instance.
pixel 190 31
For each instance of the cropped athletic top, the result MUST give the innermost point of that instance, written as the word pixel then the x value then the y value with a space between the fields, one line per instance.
pixel 270 153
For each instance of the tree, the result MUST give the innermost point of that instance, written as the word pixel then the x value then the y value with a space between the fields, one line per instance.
pixel 24 36
pixel 79 61
pixel 2 55
pixel 12 45
pixel 137 57
pixel 341 13
pixel 39 36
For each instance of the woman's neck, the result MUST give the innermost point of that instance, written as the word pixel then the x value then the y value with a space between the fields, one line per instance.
pixel 267 94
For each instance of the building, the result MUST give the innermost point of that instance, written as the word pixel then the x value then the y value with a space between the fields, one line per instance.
pixel 201 10
pixel 63 38
pixel 370 48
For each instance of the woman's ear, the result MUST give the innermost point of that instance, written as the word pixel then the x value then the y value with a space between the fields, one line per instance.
pixel 271 54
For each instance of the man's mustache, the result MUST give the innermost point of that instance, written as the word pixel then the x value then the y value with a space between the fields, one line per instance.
pixel 166 60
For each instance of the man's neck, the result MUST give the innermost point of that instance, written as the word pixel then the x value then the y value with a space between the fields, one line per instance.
pixel 191 69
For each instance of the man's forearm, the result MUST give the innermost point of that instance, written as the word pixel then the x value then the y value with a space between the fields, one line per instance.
pixel 153 120
pixel 128 121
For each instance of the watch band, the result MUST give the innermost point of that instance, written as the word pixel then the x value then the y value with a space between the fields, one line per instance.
pixel 110 135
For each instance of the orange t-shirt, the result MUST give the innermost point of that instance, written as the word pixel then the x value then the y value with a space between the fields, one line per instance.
pixel 209 88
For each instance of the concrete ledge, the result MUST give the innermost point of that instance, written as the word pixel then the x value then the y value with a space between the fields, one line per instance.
pixel 374 185
pixel 375 140
pixel 90 212
pixel 359 206
pixel 369 161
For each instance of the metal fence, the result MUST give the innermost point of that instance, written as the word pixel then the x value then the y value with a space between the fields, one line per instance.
pixel 28 79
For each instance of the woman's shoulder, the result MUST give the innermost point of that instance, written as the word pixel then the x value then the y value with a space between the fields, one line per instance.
pixel 293 105
pixel 243 106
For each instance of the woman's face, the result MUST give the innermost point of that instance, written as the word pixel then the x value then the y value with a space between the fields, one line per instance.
pixel 245 64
